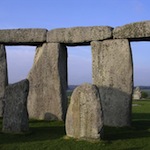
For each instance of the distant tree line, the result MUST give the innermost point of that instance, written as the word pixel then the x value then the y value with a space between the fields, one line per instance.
pixel 144 94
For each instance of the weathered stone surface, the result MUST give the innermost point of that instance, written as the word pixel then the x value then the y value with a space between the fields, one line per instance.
pixel 138 31
pixel 112 73
pixel 15 117
pixel 23 36
pixel 79 35
pixel 48 83
pixel 3 76
pixel 137 94
pixel 84 118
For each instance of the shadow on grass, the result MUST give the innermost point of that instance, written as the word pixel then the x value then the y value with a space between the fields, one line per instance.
pixel 39 131
pixel 54 130
pixel 140 129
pixel 134 148
pixel 141 116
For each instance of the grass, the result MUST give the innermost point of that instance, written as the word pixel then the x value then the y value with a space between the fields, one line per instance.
pixel 46 135
pixel 147 91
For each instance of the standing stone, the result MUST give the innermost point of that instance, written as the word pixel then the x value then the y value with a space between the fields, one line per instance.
pixel 84 116
pixel 15 117
pixel 3 76
pixel 137 94
pixel 112 73
pixel 48 83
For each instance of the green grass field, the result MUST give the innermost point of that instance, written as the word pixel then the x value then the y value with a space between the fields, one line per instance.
pixel 147 91
pixel 46 135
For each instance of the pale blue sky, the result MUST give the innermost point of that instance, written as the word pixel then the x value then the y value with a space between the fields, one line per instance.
pixel 52 14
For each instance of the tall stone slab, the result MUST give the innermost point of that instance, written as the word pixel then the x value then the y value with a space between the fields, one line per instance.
pixel 3 76
pixel 112 73
pixel 48 83
pixel 84 118
pixel 15 117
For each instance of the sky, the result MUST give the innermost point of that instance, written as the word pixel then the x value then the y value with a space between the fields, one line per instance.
pixel 51 14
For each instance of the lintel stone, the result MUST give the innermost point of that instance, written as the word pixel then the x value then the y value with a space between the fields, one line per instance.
pixel 23 36
pixel 79 35
pixel 138 31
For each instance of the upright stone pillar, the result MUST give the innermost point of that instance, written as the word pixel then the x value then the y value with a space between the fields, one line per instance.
pixel 112 73
pixel 48 83
pixel 15 117
pixel 3 76
pixel 84 118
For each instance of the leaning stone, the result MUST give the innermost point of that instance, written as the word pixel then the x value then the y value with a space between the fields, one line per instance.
pixel 23 36
pixel 15 117
pixel 48 83
pixel 79 35
pixel 138 31
pixel 3 76
pixel 84 116
pixel 112 74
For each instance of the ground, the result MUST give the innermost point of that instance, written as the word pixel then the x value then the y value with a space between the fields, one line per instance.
pixel 51 135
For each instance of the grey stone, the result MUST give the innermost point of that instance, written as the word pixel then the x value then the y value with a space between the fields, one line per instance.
pixel 79 35
pixel 84 118
pixel 48 83
pixel 112 73
pixel 137 94
pixel 3 76
pixel 15 117
pixel 138 31
pixel 23 36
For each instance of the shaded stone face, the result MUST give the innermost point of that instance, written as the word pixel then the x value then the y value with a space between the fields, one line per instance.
pixel 112 73
pixel 48 83
pixel 139 31
pixel 15 117
pixel 84 116
pixel 3 76
pixel 79 35
pixel 23 36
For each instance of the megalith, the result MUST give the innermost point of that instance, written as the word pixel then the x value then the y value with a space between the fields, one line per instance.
pixel 3 76
pixel 84 118
pixel 15 117
pixel 137 31
pixel 79 35
pixel 113 73
pixel 28 36
pixel 48 83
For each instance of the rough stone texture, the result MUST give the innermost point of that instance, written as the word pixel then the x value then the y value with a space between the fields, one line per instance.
pixel 23 36
pixel 84 116
pixel 138 31
pixel 112 73
pixel 137 94
pixel 3 76
pixel 79 35
pixel 15 117
pixel 48 83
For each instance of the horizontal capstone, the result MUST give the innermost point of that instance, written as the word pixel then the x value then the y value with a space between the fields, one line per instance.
pixel 23 36
pixel 79 35
pixel 138 31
